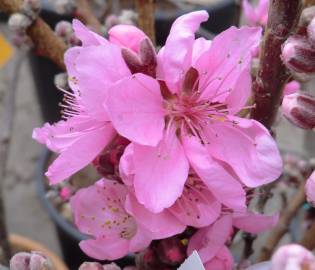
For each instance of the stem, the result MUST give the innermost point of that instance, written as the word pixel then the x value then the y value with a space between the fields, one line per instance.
pixel 146 20
pixel 272 74
pixel 85 13
pixel 5 138
pixel 308 239
pixel 44 39
pixel 282 227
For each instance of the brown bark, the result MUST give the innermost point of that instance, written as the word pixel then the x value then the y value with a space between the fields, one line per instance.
pixel 146 19
pixel 308 239
pixel 85 14
pixel 282 227
pixel 272 74
pixel 44 39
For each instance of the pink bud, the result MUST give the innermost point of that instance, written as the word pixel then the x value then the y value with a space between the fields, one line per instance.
pixel 299 109
pixel 298 54
pixel 311 32
pixel 111 266
pixel 308 14
pixel 65 193
pixel 91 266
pixel 310 189
pixel 30 261
pixel 63 29
pixel 293 257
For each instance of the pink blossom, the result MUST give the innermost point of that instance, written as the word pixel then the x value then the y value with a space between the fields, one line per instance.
pixel 292 257
pixel 186 117
pixel 99 212
pixel 86 128
pixel 291 88
pixel 65 193
pixel 310 189
pixel 196 206
pixel 210 241
pixel 256 15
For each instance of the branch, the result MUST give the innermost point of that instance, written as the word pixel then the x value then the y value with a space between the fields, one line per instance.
pixel 282 227
pixel 86 15
pixel 146 19
pixel 272 74
pixel 44 39
pixel 308 239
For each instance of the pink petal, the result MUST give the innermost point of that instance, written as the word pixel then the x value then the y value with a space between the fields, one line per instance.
pixel 180 40
pixel 310 189
pixel 59 136
pixel 224 63
pixel 208 241
pixel 109 248
pixel 127 36
pixel 197 207
pixel 223 260
pixel 70 59
pixel 160 173
pixel 135 106
pixel 141 240
pixel 262 11
pixel 248 148
pixel 160 225
pixel 255 223
pixel 126 166
pixel 80 153
pixel 87 36
pixel 291 88
pixel 98 67
pixel 201 45
pixel 223 185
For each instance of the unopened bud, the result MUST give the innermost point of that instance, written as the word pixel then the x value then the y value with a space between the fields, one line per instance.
pixel 299 55
pixel 63 29
pixel 308 14
pixel 299 109
pixel 65 6
pixel 91 266
pixel 30 261
pixel 22 41
pixel 31 8
pixel 19 22
pixel 61 80
pixel 311 32
pixel 128 16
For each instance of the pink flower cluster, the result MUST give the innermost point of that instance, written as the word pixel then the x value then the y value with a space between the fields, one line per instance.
pixel 189 159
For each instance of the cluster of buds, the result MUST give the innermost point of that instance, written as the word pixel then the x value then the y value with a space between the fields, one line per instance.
pixel 299 109
pixel 126 17
pixel 65 6
pixel 30 261
pixel 19 22
pixel 64 30
pixel 298 52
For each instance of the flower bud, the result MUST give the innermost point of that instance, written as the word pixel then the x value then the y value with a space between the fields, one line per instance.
pixel 299 109
pixel 292 257
pixel 30 261
pixel 91 266
pixel 171 251
pixel 19 22
pixel 308 14
pixel 65 6
pixel 63 29
pixel 311 32
pixel 299 55
pixel 310 189
pixel 31 8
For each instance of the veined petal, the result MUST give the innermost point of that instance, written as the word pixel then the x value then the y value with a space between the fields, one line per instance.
pixel 201 45
pixel 87 36
pixel 160 225
pixel 255 223
pixel 209 240
pixel 160 173
pixel 222 184
pixel 80 153
pixel 180 40
pixel 135 106
pixel 248 148
pixel 98 67
pixel 128 36
pixel 222 65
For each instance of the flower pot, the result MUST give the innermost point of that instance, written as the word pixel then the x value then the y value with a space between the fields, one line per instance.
pixel 69 236
pixel 20 243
